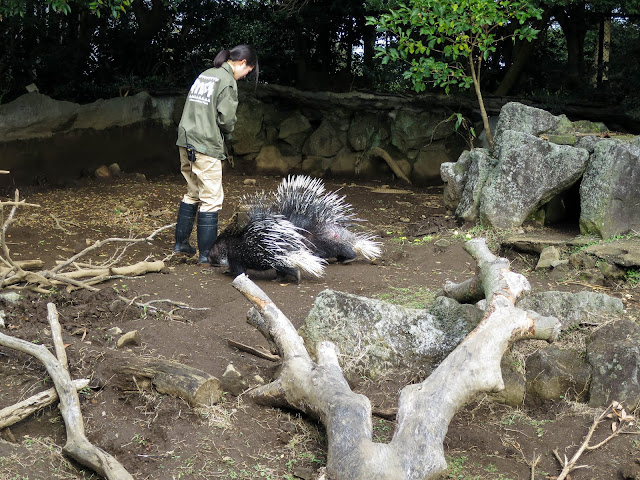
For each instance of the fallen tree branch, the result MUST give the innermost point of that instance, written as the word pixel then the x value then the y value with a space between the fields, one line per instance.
pixel 56 335
pixel 101 243
pixel 253 351
pixel 77 445
pixel 15 275
pixel 21 410
pixel 24 265
pixel 425 409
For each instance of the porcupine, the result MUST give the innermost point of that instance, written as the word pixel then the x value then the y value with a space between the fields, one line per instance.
pixel 324 217
pixel 264 241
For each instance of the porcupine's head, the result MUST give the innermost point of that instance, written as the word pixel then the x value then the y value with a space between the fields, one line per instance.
pixel 218 254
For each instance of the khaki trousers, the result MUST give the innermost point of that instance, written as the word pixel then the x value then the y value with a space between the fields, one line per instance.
pixel 204 181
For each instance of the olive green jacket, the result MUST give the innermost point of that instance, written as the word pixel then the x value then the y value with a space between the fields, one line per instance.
pixel 209 111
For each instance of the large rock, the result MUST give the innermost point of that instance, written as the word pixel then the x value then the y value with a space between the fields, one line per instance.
pixel 326 141
pixel 38 116
pixel 374 337
pixel 610 190
pixel 624 252
pixel 35 116
pixel 454 176
pixel 614 355
pixel 426 168
pixel 271 161
pixel 525 119
pixel 540 159
pixel 411 131
pixel 529 173
pixel 482 164
pixel 554 374
pixel 572 308
pixel 294 124
pixel 514 382
pixel 367 132
pixel 249 137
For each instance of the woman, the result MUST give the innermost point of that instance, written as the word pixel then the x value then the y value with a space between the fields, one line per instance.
pixel 208 119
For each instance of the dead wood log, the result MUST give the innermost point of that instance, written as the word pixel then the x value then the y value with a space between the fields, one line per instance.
pixel 171 378
pixel 77 445
pixel 21 410
pixel 424 410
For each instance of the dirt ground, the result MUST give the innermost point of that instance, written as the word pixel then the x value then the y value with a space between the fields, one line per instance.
pixel 159 437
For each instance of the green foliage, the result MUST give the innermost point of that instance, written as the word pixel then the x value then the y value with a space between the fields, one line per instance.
pixel 9 8
pixel 445 42
pixel 633 276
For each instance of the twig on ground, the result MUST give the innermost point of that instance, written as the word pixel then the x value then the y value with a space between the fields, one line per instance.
pixel 620 421
pixel 533 464
pixel 59 224
pixel 254 351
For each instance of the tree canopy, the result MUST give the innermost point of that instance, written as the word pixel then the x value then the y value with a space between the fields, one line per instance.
pixel 82 50
pixel 10 8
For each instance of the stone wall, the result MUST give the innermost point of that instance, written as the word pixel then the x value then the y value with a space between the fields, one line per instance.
pixel 280 130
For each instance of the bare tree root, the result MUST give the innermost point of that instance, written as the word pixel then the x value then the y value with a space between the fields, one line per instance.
pixel 620 420
pixel 77 446
pixel 424 410
pixel 395 168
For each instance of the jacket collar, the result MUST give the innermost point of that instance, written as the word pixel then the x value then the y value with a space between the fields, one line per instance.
pixel 228 68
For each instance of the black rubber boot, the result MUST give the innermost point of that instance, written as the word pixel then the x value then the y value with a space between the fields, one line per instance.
pixel 207 234
pixel 184 225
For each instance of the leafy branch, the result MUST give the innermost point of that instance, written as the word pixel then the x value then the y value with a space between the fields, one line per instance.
pixel 446 43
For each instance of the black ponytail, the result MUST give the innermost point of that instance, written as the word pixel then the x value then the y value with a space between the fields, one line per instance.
pixel 238 53
pixel 221 57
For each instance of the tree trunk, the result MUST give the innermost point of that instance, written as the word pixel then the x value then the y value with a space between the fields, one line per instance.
pixel 523 50
pixel 483 111
pixel 300 56
pixel 606 50
pixel 368 54
pixel 573 23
